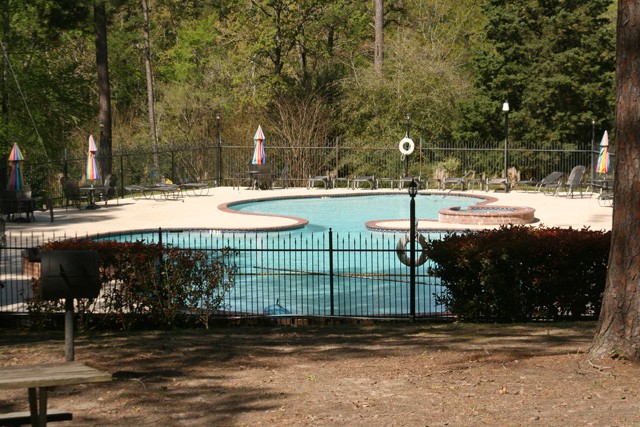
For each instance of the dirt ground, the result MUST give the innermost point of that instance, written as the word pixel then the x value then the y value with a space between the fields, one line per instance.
pixel 353 375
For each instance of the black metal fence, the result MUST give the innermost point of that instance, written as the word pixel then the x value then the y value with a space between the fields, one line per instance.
pixel 222 165
pixel 307 274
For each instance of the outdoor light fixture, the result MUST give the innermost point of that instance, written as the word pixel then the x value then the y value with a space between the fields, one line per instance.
pixel 505 108
pixel 413 191
pixel 413 188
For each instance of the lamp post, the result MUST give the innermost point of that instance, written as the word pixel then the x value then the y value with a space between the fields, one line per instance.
pixel 413 191
pixel 593 150
pixel 505 108
pixel 406 158
pixel 219 151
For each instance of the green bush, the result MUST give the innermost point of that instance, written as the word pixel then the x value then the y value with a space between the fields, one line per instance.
pixel 148 285
pixel 519 273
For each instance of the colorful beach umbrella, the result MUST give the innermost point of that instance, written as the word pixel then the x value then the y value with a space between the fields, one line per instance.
pixel 259 157
pixel 92 161
pixel 15 178
pixel 603 159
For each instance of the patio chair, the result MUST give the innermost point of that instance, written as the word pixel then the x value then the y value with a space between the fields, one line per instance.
pixel 72 194
pixel 241 178
pixel 573 182
pixel 282 178
pixel 109 188
pixel 364 179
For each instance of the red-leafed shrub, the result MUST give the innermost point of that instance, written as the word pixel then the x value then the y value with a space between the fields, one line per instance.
pixel 519 273
pixel 147 285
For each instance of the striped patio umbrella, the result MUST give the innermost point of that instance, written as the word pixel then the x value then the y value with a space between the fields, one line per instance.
pixel 92 162
pixel 15 178
pixel 603 159
pixel 259 157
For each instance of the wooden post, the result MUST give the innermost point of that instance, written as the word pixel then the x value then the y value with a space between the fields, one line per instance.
pixel 68 330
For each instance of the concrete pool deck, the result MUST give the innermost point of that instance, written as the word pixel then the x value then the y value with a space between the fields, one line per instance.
pixel 205 212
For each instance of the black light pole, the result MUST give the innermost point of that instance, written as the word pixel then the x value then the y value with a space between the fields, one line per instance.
pixel 505 108
pixel 593 150
pixel 413 191
pixel 219 150
pixel 406 158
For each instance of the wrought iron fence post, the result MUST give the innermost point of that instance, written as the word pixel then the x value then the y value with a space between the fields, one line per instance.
pixel 121 171
pixel 219 152
pixel 65 164
pixel 159 266
pixel 331 270
pixel 413 190
pixel 173 164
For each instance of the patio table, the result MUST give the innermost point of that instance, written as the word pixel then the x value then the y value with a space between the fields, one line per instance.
pixel 90 189
pixel 38 378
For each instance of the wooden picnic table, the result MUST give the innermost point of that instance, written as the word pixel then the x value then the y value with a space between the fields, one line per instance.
pixel 38 378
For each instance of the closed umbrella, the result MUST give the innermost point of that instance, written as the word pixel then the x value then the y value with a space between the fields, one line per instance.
pixel 259 157
pixel 603 159
pixel 15 178
pixel 92 162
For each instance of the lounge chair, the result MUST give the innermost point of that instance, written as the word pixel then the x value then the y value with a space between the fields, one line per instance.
pixel 406 180
pixel 325 180
pixel 341 179
pixel 495 181
pixel 572 183
pixel 458 181
pixel 550 180
pixel 364 179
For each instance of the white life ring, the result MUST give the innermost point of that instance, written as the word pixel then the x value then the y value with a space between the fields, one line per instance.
pixel 401 249
pixel 410 146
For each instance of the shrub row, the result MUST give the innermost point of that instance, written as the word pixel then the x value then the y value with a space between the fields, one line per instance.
pixel 148 285
pixel 519 273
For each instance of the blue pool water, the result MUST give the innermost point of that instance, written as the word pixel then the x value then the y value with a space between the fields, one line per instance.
pixel 359 276
pixel 351 213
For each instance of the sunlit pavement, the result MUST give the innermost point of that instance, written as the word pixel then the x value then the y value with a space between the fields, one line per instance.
pixel 204 212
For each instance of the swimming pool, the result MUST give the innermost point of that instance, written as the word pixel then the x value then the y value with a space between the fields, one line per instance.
pixel 351 213
pixel 348 272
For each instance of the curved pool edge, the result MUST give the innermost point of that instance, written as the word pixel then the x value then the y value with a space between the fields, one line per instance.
pixel 481 215
pixel 301 222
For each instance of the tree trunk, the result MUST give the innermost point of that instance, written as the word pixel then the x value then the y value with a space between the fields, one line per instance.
pixel 150 97
pixel 5 63
pixel 618 331
pixel 379 41
pixel 104 91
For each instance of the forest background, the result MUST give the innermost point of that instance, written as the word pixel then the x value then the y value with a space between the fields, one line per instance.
pixel 306 71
